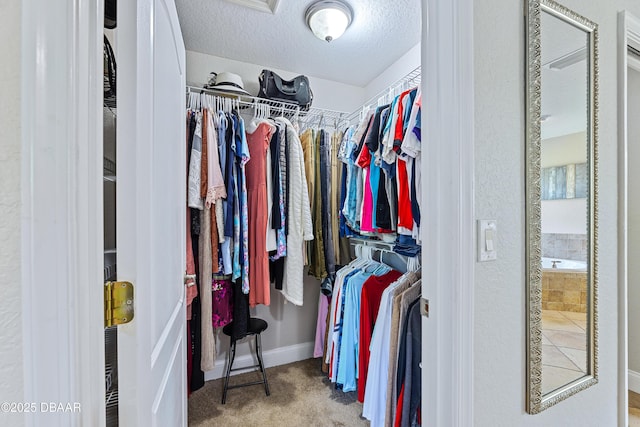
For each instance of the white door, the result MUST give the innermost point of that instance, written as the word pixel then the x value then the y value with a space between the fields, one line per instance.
pixel 150 218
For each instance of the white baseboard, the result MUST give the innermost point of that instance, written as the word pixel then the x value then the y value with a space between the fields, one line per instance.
pixel 275 357
pixel 634 381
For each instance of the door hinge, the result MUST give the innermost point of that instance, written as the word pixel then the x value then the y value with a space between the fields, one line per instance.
pixel 424 307
pixel 118 303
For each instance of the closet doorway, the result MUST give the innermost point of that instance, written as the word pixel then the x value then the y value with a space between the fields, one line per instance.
pixel 447 384
pixel 447 60
pixel 347 75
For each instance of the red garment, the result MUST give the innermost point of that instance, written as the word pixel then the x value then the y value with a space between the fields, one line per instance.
pixel 398 419
pixel 256 172
pixel 397 135
pixel 369 304
pixel 405 216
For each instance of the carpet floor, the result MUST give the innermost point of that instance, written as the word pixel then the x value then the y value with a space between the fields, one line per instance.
pixel 301 395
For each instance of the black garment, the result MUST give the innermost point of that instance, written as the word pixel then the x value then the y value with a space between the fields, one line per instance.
pixel 412 371
pixel 274 146
pixel 276 272
pixel 240 179
pixel 373 137
pixel 287 181
pixel 192 131
pixel 228 217
pixel 383 209
pixel 402 351
pixel 197 375
pixel 240 311
pixel 383 206
pixel 415 209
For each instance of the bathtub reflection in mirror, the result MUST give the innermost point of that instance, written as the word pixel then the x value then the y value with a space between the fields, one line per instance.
pixel 561 205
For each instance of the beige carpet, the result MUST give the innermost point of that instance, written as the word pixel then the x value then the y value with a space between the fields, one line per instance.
pixel 300 396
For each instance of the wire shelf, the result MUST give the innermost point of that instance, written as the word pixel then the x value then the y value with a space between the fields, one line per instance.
pixel 319 117
pixel 226 101
pixel 316 117
pixel 412 79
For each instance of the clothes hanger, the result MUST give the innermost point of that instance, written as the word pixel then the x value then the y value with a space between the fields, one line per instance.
pixel 359 261
pixel 413 264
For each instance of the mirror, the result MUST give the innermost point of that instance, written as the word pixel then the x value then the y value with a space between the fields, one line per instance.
pixel 561 196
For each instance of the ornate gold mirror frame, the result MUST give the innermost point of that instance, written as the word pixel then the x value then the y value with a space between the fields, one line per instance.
pixel 541 397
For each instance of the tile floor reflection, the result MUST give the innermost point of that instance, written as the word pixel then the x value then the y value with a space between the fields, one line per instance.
pixel 564 348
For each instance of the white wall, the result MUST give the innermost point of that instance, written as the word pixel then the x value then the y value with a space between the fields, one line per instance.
pixel 566 216
pixel 11 369
pixel 396 71
pixel 564 150
pixel 634 220
pixel 326 93
pixel 500 338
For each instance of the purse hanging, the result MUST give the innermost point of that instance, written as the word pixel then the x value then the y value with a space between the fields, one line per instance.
pixel 296 91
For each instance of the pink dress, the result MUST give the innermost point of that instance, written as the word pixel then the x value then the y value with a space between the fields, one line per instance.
pixel 256 172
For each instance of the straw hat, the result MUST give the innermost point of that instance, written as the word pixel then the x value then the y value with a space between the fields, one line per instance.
pixel 226 82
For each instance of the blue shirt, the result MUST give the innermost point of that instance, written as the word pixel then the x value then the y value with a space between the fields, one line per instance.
pixel 348 361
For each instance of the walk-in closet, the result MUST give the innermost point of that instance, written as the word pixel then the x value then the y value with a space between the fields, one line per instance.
pixel 301 213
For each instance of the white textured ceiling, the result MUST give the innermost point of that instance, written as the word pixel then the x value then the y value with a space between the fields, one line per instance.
pixel 381 32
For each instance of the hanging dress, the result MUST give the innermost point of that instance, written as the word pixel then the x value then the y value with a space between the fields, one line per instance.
pixel 256 176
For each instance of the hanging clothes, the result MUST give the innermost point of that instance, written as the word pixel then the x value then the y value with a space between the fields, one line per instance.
pixel 279 183
pixel 300 227
pixel 372 291
pixel 374 408
pixel 381 193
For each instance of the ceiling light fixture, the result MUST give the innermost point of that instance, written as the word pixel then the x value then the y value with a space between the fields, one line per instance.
pixel 328 19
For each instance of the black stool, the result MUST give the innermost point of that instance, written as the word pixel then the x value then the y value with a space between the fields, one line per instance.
pixel 256 327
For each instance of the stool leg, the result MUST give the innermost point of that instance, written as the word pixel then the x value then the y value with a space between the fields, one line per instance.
pixel 230 357
pixel 264 373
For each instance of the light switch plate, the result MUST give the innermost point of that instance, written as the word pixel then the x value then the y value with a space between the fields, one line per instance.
pixel 487 240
